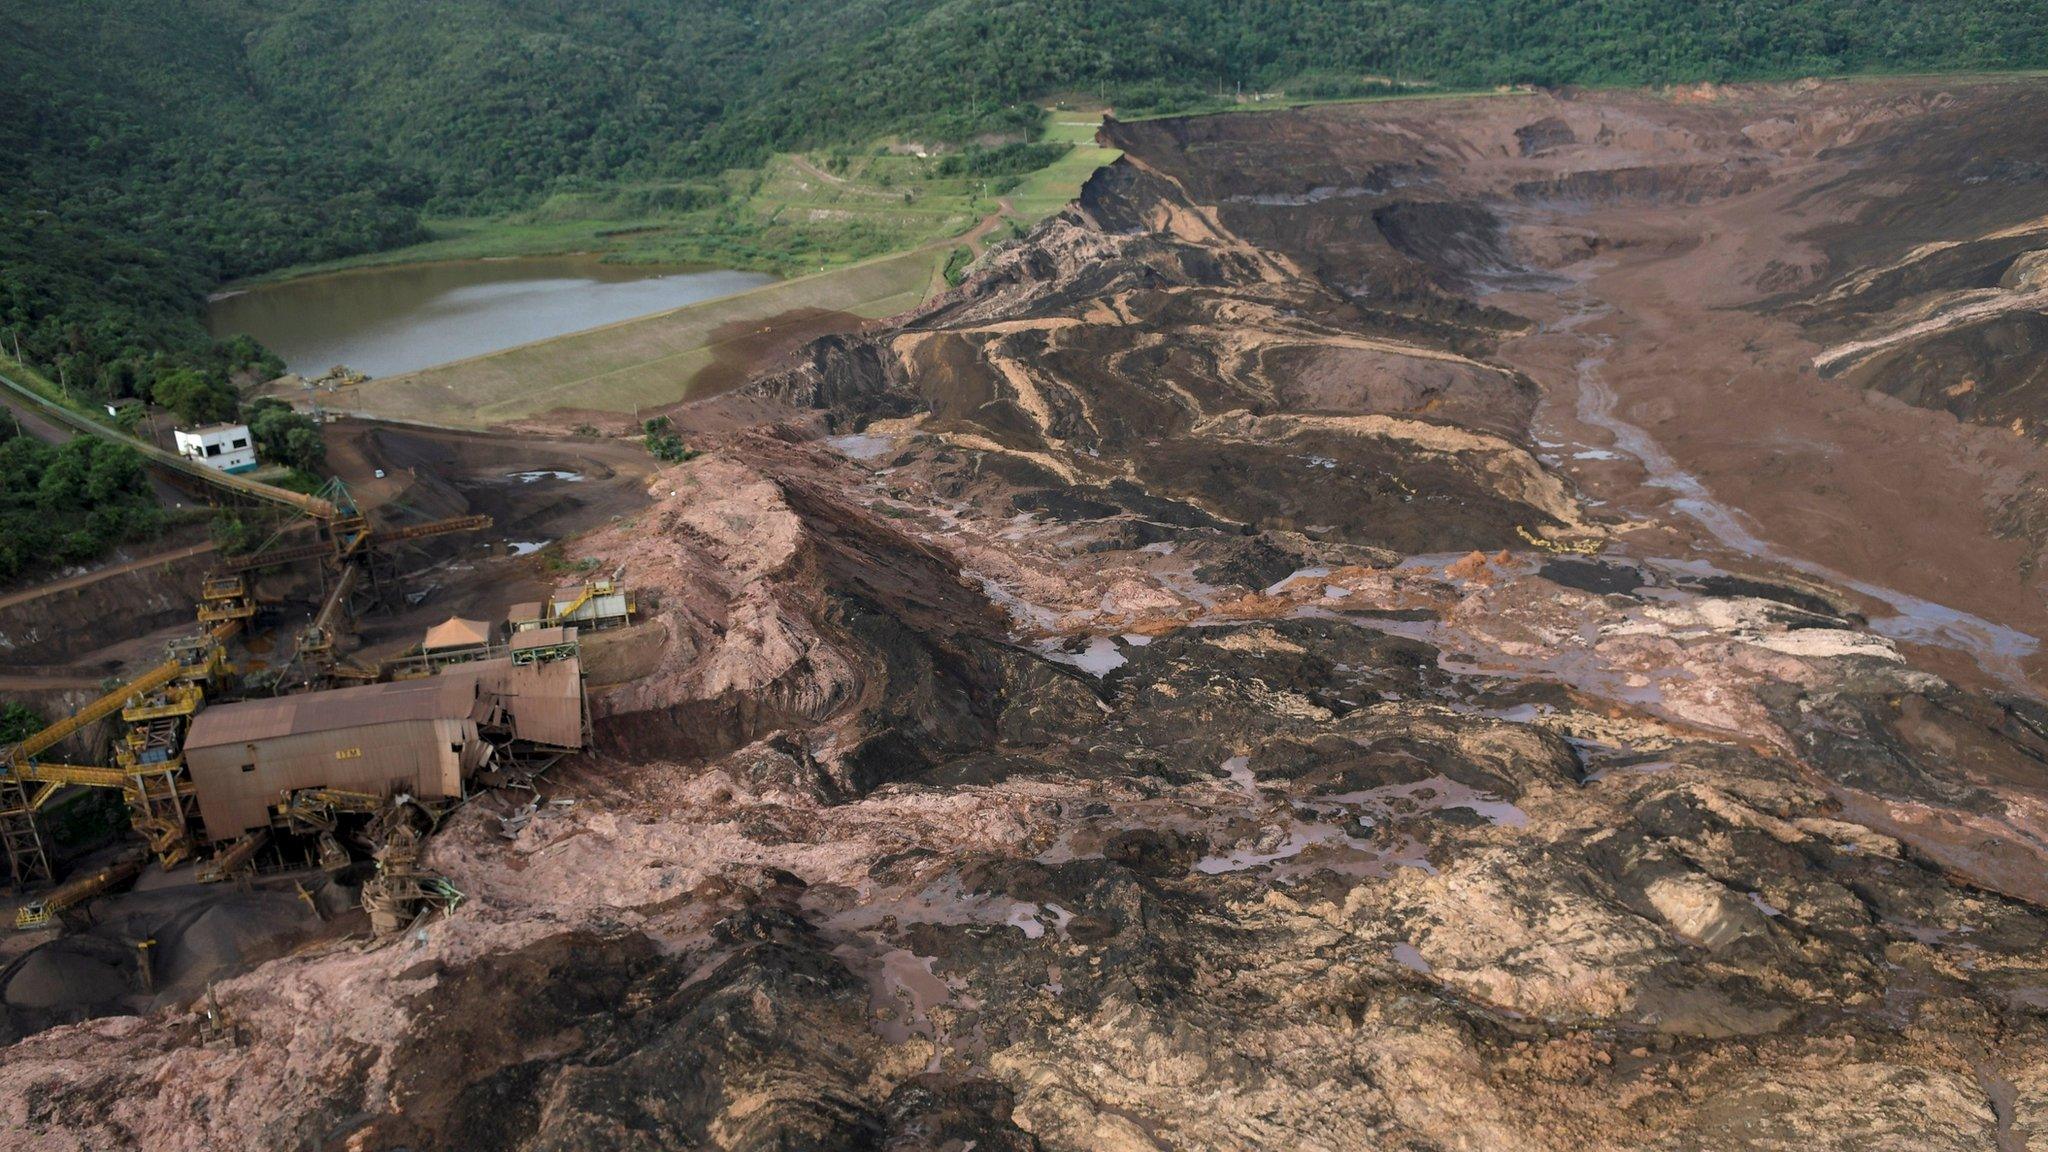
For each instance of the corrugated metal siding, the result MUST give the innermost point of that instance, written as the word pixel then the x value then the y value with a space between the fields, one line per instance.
pixel 609 606
pixel 416 756
pixel 225 724
pixel 403 736
pixel 543 637
pixel 545 702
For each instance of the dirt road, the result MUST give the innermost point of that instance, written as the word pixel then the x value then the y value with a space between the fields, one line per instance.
pixel 10 683
pixel 973 238
pixel 32 423
pixel 157 560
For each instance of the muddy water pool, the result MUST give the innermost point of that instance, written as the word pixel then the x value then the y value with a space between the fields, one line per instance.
pixel 389 320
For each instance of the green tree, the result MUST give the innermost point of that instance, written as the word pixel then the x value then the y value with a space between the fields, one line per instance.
pixel 158 150
pixel 18 722
pixel 231 535
pixel 284 435
pixel 69 503
pixel 196 398
pixel 304 449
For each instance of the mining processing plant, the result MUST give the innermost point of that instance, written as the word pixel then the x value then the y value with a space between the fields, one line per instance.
pixel 231 773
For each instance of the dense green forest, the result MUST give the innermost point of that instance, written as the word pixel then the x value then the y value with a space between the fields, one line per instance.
pixel 157 148
pixel 70 502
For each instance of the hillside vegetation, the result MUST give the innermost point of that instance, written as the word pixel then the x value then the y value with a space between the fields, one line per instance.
pixel 68 503
pixel 156 150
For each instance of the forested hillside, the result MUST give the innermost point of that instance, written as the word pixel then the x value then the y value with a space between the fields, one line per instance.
pixel 70 502
pixel 155 148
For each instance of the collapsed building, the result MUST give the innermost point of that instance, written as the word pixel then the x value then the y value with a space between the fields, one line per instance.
pixel 409 737
pixel 422 738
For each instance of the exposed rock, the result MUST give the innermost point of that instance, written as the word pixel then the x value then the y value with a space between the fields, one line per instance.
pixel 1194 717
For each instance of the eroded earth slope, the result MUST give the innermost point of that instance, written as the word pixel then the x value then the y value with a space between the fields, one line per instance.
pixel 1288 656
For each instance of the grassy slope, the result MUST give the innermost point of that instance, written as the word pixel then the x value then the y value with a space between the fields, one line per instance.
pixel 865 251
pixel 635 364
pixel 1048 190
pixel 792 216
pixel 49 390
pixel 157 148
pixel 656 360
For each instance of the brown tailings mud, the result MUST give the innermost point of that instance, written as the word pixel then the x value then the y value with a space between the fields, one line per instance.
pixel 742 349
pixel 1698 277
pixel 1380 627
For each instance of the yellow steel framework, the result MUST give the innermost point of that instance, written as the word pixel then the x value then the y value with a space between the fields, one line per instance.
pixel 310 810
pixel 591 591
pixel 225 596
pixel 158 705
pixel 148 770
pixel 79 889
pixel 238 857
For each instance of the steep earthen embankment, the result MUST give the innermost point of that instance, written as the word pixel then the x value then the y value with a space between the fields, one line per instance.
pixel 1179 691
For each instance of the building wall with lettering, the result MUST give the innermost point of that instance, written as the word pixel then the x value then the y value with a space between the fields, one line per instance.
pixel 238 784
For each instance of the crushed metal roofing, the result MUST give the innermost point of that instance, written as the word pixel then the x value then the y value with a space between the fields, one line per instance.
pixel 543 701
pixel 435 698
pixel 455 632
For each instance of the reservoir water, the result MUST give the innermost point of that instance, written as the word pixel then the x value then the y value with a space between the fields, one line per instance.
pixel 395 319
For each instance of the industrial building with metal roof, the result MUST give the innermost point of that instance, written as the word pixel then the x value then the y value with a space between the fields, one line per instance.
pixel 421 738
pixel 416 737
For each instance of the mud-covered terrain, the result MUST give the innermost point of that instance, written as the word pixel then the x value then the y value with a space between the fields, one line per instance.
pixel 1283 657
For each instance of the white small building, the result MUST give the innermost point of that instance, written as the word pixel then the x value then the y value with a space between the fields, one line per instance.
pixel 228 447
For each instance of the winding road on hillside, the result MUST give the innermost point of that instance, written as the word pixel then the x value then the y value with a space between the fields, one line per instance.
pixel 85 579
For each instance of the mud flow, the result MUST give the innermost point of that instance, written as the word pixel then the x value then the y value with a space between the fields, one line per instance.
pixel 1506 623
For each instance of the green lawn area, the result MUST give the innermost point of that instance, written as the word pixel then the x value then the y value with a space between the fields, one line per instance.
pixel 646 362
pixel 796 214
pixel 1049 189
pixel 474 239
pixel 858 234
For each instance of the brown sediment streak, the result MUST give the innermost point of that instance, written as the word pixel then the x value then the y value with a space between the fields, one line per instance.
pixel 1956 312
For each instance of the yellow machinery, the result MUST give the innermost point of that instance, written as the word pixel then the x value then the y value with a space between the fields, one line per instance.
pixel 313 810
pixel 75 891
pixel 158 705
pixel 603 588
pixel 226 596
pixel 147 769
pixel 316 643
pixel 348 537
pixel 239 856
pixel 347 546
pixel 28 785
pixel 590 592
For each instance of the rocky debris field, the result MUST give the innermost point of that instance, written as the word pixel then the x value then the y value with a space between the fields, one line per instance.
pixel 1167 694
